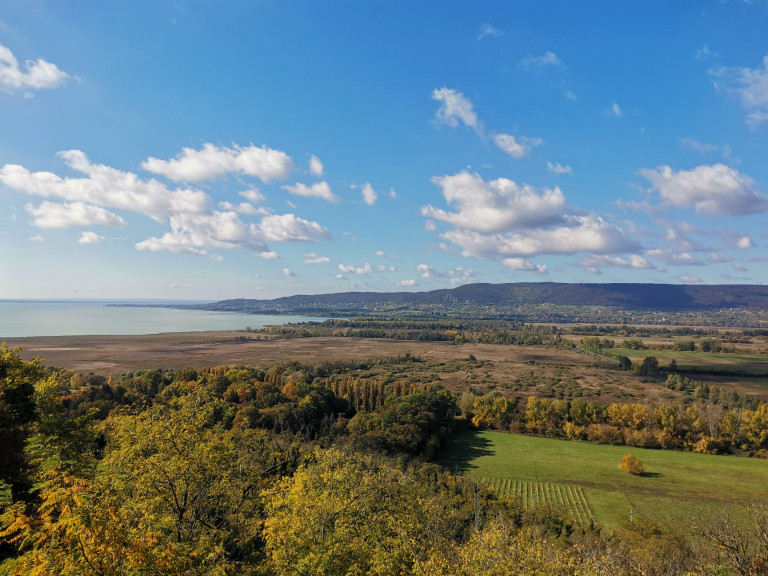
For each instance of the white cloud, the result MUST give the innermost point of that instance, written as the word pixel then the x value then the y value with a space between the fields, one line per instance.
pixel 315 166
pixel 717 190
pixel 614 110
pixel 674 257
pixel 405 283
pixel 253 195
pixel 39 74
pixel 106 187
pixel 592 263
pixel 739 267
pixel 690 279
pixel 56 215
pixel 290 228
pixel 487 30
pixel 37 238
pixel 364 269
pixel 558 168
pixel 430 226
pixel 382 268
pixel 317 190
pixel 91 238
pixel 426 271
pixel 750 87
pixel 313 258
pixel 194 233
pixel 392 193
pixel 245 208
pixel 524 265
pixel 287 272
pixel 582 233
pixel 455 109
pixel 213 161
pixel 461 275
pixel 744 243
pixel 516 147
pixel 546 59
pixel 269 255
pixel 497 205
pixel 369 194
pixel 217 257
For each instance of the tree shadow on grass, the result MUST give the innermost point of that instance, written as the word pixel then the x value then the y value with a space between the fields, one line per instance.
pixel 463 447
pixel 651 475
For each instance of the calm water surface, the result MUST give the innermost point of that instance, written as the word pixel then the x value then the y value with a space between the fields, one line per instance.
pixel 21 319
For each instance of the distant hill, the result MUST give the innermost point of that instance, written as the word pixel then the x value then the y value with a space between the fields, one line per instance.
pixel 672 297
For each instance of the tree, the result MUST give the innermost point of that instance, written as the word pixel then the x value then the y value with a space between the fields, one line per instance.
pixel 344 513
pixel 625 363
pixel 650 366
pixel 631 464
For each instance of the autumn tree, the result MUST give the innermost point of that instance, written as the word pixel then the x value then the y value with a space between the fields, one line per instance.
pixel 631 464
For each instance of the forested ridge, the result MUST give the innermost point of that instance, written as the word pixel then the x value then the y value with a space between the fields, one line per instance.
pixel 295 469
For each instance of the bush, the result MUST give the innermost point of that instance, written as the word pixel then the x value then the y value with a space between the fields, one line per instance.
pixel 631 464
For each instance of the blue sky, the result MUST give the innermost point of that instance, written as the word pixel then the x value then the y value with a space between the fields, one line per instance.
pixel 201 150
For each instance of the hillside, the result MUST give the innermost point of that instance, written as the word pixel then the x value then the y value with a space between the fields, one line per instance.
pixel 519 299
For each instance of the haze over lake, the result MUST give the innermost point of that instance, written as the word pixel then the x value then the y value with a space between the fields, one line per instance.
pixel 36 318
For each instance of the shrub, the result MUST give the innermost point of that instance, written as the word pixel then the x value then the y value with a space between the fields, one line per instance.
pixel 631 464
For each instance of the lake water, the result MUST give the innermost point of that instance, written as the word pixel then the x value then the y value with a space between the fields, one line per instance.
pixel 26 318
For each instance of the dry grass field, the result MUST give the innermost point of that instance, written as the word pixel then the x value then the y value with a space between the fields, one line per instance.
pixel 515 370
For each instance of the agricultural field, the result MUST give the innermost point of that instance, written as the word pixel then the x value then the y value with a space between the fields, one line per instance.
pixel 678 487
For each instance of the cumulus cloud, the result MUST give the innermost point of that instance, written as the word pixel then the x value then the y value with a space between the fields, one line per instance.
pixel 749 86
pixel 290 228
pixel 37 238
pixel 315 166
pixel 348 269
pixel 558 168
pixel 317 190
pixel 253 195
pixel 313 258
pixel 56 215
pixel 405 283
pixel 194 233
pixel 39 73
pixel 106 187
pixel 269 255
pixel 518 147
pixel 244 208
pixel 497 205
pixel 717 190
pixel 426 271
pixel 288 272
pixel 91 238
pixel 212 161
pixel 369 194
pixel 592 263
pixel 744 243
pixel 487 30
pixel 524 265
pixel 546 59
pixel 580 233
pixel 455 109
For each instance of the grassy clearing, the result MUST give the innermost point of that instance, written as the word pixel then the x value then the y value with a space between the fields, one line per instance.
pixel 746 363
pixel 678 487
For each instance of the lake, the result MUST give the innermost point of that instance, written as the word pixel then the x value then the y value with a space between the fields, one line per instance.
pixel 20 319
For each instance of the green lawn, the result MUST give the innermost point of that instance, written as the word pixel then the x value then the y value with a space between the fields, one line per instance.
pixel 679 486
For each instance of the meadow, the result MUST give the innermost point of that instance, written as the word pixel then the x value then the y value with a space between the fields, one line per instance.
pixel 679 488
